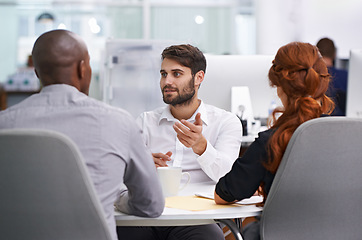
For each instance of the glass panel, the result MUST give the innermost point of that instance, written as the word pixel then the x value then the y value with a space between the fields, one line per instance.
pixel 208 28
pixel 245 34
pixel 126 22
pixel 23 29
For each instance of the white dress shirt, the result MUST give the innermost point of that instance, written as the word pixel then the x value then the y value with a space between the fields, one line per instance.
pixel 221 129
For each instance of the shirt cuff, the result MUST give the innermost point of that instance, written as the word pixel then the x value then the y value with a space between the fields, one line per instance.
pixel 207 161
pixel 209 154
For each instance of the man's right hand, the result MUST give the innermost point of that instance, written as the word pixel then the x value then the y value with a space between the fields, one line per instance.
pixel 161 159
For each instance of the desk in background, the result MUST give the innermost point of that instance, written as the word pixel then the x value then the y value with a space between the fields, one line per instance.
pixel 3 100
pixel 246 141
pixel 10 98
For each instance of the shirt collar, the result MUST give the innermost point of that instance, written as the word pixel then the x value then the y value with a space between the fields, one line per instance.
pixel 167 116
pixel 59 87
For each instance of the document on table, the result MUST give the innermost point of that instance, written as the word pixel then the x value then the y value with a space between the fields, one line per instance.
pixel 246 201
pixel 194 203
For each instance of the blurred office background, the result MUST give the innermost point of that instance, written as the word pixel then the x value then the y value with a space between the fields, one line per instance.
pixel 221 27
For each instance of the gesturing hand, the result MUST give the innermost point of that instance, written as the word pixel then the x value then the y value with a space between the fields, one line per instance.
pixel 160 159
pixel 190 134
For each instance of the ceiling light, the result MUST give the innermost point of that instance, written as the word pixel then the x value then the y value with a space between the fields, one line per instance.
pixel 199 19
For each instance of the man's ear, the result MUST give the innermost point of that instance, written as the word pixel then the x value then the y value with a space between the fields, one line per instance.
pixel 199 77
pixel 81 69
pixel 37 75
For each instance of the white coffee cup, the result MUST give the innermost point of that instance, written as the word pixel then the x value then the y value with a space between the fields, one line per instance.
pixel 170 178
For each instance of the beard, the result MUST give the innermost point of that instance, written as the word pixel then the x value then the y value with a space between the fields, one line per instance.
pixel 184 98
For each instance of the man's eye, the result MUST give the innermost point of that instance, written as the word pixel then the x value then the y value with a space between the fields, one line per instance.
pixel 176 74
pixel 164 75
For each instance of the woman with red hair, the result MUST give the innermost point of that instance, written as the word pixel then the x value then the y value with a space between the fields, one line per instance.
pixel 301 78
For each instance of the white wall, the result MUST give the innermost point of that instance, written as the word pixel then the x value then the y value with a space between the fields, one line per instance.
pixel 278 22
pixel 282 21
pixel 339 20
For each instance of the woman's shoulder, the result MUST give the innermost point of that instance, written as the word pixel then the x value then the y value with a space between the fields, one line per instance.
pixel 265 135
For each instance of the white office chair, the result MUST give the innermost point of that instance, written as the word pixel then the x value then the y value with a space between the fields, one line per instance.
pixel 46 192
pixel 317 190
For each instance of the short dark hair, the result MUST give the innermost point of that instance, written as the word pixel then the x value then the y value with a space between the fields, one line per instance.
pixel 186 55
pixel 326 48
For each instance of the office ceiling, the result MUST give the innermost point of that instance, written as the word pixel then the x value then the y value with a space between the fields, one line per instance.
pixel 110 2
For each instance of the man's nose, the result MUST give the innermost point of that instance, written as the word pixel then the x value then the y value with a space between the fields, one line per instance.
pixel 168 80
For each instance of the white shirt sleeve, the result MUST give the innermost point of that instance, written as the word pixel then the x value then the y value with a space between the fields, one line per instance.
pixel 219 157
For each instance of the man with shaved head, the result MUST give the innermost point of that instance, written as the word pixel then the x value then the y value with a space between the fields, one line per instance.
pixel 61 57
pixel 108 137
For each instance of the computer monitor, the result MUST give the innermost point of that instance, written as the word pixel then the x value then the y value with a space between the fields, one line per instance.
pixel 354 85
pixel 223 72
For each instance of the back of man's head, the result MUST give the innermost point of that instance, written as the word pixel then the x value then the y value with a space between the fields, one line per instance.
pixel 56 56
pixel 326 48
pixel 186 55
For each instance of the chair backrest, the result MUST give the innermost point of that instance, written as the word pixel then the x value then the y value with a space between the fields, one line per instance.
pixel 45 189
pixel 317 190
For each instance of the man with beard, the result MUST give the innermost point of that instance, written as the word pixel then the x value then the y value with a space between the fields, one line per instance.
pixel 200 138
